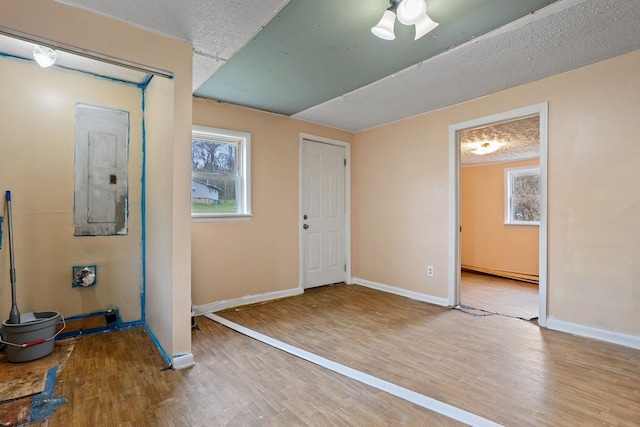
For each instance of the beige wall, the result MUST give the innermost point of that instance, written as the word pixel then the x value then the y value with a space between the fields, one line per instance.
pixel 594 194
pixel 37 142
pixel 400 205
pixel 486 242
pixel 158 169
pixel 74 27
pixel 400 187
pixel 231 260
pixel 400 199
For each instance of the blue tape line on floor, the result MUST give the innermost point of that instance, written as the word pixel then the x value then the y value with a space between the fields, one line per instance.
pixel 44 404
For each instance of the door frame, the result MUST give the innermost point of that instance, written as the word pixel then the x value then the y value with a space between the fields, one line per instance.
pixel 347 203
pixel 541 110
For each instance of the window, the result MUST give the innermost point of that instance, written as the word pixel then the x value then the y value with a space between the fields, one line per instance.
pixel 522 201
pixel 220 174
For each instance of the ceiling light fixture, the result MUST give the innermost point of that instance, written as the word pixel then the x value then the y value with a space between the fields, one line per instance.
pixel 44 56
pixel 487 147
pixel 384 29
pixel 409 12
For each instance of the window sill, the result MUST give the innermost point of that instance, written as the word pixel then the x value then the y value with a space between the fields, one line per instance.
pixel 221 217
pixel 526 224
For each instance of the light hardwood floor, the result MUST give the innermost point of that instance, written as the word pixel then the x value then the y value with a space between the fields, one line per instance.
pixel 117 379
pixel 499 295
pixel 504 369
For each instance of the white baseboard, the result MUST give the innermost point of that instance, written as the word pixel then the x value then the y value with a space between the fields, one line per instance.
pixel 402 292
pixel 181 361
pixel 249 299
pixel 598 334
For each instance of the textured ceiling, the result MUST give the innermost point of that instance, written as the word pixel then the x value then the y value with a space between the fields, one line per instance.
pixel 217 29
pixel 519 139
pixel 313 51
pixel 562 36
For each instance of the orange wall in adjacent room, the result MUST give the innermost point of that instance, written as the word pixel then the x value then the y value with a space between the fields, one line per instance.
pixel 486 242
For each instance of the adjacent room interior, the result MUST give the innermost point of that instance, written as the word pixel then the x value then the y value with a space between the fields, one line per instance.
pixel 500 218
pixel 289 243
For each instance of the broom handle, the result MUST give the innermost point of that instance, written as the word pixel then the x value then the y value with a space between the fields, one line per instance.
pixel 14 314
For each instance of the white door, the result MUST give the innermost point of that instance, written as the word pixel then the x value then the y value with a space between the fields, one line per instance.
pixel 323 213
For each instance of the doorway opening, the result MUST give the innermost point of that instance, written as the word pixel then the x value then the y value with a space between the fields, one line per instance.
pixel 498 169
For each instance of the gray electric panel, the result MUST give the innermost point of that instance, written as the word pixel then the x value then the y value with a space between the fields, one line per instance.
pixel 102 139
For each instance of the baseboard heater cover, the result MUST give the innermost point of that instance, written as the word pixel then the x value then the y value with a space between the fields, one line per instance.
pixel 530 278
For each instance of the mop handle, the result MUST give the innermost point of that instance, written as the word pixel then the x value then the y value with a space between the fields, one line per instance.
pixel 14 314
pixel 12 268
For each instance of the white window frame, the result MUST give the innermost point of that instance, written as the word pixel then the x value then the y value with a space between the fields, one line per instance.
pixel 510 174
pixel 243 211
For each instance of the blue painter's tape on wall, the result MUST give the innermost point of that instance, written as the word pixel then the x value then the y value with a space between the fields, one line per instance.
pixel 1 220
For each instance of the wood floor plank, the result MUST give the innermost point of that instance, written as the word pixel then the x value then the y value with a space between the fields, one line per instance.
pixel 28 378
pixel 236 381
pixel 499 295
pixel 503 369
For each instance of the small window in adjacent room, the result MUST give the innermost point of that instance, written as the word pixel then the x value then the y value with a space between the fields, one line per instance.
pixel 220 174
pixel 522 201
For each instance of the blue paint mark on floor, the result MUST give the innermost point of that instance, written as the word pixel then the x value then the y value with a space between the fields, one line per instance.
pixel 44 404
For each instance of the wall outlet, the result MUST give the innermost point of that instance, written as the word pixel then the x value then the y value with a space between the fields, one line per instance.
pixel 430 270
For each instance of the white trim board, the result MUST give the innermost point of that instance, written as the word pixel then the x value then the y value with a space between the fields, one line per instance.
pixel 182 361
pixel 542 111
pixel 626 340
pixel 377 383
pixel 402 292
pixel 249 299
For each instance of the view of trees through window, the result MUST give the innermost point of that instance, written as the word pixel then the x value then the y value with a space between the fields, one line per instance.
pixel 214 175
pixel 525 196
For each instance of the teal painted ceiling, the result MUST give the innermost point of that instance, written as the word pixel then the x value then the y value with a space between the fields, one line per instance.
pixel 313 51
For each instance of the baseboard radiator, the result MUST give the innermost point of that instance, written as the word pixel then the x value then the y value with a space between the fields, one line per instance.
pixel 530 278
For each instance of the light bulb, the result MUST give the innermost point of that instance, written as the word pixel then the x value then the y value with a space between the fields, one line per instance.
pixel 411 11
pixel 44 56
pixel 424 25
pixel 384 29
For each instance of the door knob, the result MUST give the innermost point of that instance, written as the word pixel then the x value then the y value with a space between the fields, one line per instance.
pixel 305 226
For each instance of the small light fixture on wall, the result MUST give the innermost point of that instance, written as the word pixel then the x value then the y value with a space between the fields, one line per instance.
pixel 44 56
pixel 409 12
